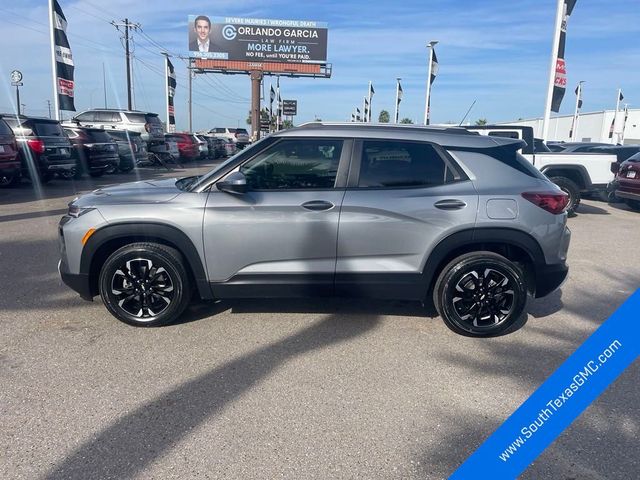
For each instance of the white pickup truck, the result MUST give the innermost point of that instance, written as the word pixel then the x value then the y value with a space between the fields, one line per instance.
pixel 574 173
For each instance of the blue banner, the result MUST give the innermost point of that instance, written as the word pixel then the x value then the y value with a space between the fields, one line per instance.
pixel 560 399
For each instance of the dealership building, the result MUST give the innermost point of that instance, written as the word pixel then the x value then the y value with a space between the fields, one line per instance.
pixel 592 127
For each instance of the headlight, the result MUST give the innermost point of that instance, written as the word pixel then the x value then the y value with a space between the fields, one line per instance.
pixel 76 211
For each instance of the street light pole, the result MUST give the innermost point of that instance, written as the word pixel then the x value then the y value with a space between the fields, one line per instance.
pixel 430 46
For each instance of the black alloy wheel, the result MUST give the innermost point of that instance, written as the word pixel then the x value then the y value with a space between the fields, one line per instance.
pixel 145 284
pixel 480 294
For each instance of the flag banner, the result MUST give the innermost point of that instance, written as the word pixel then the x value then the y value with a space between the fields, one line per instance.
pixel 560 399
pixel 64 60
pixel 358 115
pixel 171 91
pixel 434 67
pixel 613 124
pixel 399 93
pixel 560 80
pixel 620 96
pixel 579 94
pixel 371 89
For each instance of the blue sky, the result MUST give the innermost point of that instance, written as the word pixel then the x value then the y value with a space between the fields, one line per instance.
pixel 494 51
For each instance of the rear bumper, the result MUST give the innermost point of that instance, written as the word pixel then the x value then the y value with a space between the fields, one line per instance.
pixel 549 278
pixel 628 195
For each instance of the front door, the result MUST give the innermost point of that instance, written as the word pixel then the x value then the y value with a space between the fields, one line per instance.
pixel 279 238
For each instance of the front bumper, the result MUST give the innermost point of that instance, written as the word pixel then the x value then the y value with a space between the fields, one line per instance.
pixel 78 282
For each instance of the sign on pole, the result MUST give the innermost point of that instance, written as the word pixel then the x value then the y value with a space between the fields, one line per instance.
pixel 289 108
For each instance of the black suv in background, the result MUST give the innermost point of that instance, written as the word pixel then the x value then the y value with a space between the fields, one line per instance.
pixel 9 162
pixel 44 149
pixel 131 148
pixel 95 151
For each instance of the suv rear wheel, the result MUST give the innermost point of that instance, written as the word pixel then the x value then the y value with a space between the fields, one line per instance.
pixel 145 284
pixel 480 294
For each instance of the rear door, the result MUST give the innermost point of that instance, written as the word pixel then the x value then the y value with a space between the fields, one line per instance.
pixel 279 238
pixel 403 197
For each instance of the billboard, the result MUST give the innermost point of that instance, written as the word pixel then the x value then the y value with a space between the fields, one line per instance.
pixel 236 39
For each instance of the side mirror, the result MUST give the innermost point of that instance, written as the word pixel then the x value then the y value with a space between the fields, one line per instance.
pixel 615 167
pixel 235 183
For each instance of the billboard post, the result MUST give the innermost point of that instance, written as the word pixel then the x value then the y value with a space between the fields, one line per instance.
pixel 256 80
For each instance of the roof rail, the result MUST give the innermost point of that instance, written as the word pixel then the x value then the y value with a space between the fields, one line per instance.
pixel 389 126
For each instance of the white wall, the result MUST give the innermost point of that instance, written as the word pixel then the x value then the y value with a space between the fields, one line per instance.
pixel 592 127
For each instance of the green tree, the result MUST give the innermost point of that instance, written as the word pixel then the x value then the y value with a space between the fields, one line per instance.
pixel 384 117
pixel 406 120
pixel 287 124
pixel 481 121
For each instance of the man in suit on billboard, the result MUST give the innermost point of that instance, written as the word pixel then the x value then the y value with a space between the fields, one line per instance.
pixel 202 29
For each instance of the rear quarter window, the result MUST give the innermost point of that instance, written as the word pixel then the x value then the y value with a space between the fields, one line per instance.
pixel 505 156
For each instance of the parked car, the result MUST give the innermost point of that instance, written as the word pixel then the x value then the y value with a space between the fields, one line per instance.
pixel 95 151
pixel 219 147
pixel 230 148
pixel 622 152
pixel 575 147
pixel 173 151
pixel 187 145
pixel 382 211
pixel 9 161
pixel 239 136
pixel 213 151
pixel 147 124
pixel 628 182
pixel 131 148
pixel 203 146
pixel 43 147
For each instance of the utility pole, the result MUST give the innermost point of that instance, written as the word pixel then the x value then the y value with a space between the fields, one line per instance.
pixel 190 73
pixel 127 26
pixel 104 86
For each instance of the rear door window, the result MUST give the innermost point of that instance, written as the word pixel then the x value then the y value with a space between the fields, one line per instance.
pixel 397 164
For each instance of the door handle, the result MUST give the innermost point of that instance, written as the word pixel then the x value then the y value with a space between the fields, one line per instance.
pixel 317 205
pixel 450 204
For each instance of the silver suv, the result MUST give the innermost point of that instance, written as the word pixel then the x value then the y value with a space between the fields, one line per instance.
pixel 239 136
pixel 147 124
pixel 403 212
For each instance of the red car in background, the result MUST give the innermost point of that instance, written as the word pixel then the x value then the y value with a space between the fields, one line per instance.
pixel 9 161
pixel 628 182
pixel 187 145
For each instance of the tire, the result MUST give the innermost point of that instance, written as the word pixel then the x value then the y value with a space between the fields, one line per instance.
pixel 127 271
pixel 480 316
pixel 633 204
pixel 570 188
pixel 10 180
pixel 46 177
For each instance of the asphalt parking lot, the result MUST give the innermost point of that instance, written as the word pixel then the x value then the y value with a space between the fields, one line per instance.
pixel 290 389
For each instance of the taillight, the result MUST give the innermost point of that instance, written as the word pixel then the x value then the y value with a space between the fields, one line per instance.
pixel 551 202
pixel 147 127
pixel 36 145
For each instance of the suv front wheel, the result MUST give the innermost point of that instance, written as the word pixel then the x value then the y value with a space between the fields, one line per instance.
pixel 480 294
pixel 145 284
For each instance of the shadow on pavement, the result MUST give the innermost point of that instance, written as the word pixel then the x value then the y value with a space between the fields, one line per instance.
pixel 137 439
pixel 578 453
